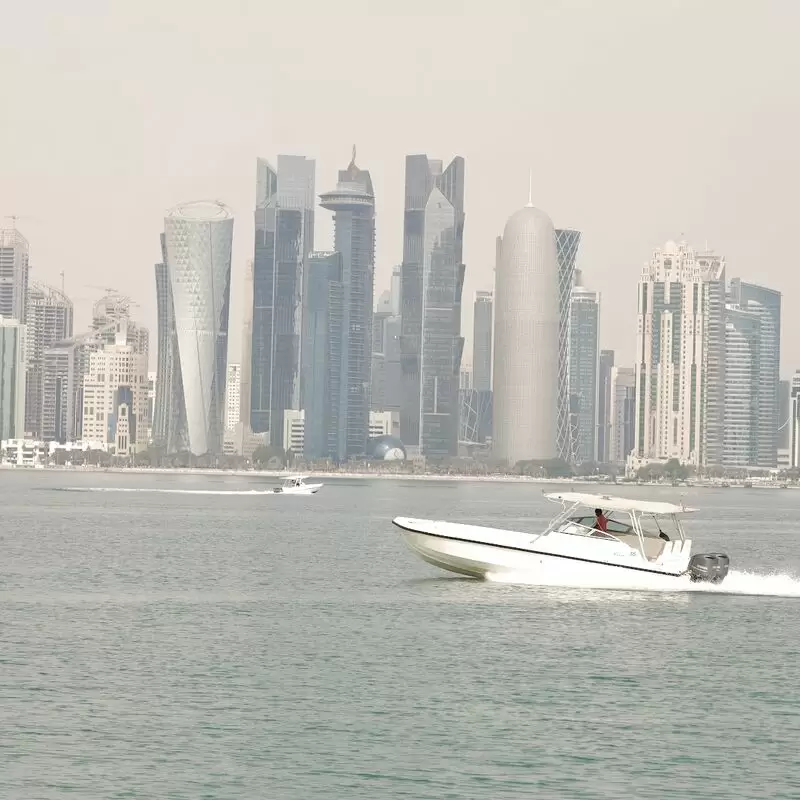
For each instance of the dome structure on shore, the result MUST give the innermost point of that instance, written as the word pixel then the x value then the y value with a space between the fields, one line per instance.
pixel 386 448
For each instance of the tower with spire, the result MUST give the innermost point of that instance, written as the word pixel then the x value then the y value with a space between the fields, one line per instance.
pixel 353 206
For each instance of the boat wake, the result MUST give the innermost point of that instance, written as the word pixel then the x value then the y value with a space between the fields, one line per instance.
pixel 167 491
pixel 750 584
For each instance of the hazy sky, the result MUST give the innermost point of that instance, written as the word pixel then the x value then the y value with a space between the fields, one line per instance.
pixel 641 121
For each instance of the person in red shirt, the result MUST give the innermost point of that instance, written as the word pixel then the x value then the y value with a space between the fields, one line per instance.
pixel 601 523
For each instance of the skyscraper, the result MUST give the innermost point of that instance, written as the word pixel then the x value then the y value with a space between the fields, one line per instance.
pixel 353 204
pixel 198 238
pixel 115 406
pixel 432 280
pixel 622 434
pixel 742 389
pixel 12 379
pixel 526 340
pixel 765 304
pixel 386 332
pixel 794 422
pixel 681 357
pixel 13 274
pixel 482 342
pixel 323 300
pixel 49 320
pixel 169 409
pixel 66 365
pixel 606 364
pixel 567 244
pixel 284 220
pixel 583 365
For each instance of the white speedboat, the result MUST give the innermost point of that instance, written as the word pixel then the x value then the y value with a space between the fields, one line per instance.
pixel 643 540
pixel 296 484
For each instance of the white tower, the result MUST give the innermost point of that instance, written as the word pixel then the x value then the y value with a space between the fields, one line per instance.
pixel 525 376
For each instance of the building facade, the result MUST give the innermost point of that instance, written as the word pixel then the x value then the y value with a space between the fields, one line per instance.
pixel 115 404
pixel 197 240
pixel 482 342
pixel 233 396
pixel 567 244
pixel 12 379
pixel 765 305
pixel 681 357
pixel 49 320
pixel 14 269
pixel 584 333
pixel 321 397
pixel 622 413
pixel 605 365
pixel 742 368
pixel 526 340
pixel 284 237
pixel 169 410
pixel 353 206
pixel 432 281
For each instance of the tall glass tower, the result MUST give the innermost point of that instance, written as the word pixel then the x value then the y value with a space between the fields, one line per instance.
pixel 284 221
pixel 765 304
pixel 432 279
pixel 583 367
pixel 567 244
pixel 353 204
pixel 197 240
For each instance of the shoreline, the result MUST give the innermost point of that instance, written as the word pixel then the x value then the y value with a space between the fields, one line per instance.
pixel 278 474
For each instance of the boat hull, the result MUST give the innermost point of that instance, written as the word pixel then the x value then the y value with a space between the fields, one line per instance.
pixel 310 488
pixel 515 555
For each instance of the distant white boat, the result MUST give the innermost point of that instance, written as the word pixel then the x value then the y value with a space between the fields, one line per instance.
pixel 572 547
pixel 296 484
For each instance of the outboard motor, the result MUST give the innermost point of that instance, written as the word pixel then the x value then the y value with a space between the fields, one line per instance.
pixel 708 567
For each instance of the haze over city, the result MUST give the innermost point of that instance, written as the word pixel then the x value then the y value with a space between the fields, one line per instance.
pixel 639 124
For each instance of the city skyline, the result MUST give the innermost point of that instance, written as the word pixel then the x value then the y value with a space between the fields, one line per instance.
pixel 598 183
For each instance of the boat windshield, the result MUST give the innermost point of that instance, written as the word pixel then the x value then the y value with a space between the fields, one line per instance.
pixel 653 527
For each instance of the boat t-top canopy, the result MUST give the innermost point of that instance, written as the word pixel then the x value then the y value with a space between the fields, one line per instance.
pixel 608 503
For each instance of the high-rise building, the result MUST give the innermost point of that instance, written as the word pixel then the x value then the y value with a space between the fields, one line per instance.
pixel 111 317
pixel 622 412
pixel 197 239
pixel 784 432
pixel 14 269
pixel 742 368
pixel 526 340
pixel 482 342
pixel 681 357
pixel 49 320
pixel 353 206
pixel 169 409
pixel 12 379
pixel 233 396
pixel 583 366
pixel 386 332
pixel 606 364
pixel 567 244
pixel 321 363
pixel 284 221
pixel 432 281
pixel 765 305
pixel 794 422
pixel 115 402
pixel 66 365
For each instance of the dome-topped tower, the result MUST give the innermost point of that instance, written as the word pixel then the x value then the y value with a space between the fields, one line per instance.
pixel 526 340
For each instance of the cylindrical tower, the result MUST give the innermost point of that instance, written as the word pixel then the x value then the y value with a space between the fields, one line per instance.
pixel 198 238
pixel 525 381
